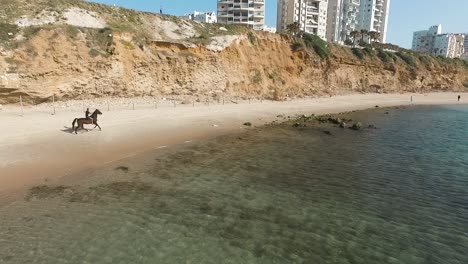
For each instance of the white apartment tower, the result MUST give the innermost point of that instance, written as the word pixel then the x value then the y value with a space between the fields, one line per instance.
pixel 342 19
pixel 334 18
pixel 373 16
pixel 310 14
pixel 465 46
pixel 247 12
pixel 433 42
pixel 449 45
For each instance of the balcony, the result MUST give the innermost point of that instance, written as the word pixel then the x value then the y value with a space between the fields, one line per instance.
pixel 312 22
pixel 259 14
pixel 312 10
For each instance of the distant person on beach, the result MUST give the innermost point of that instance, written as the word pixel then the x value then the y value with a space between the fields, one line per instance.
pixel 87 114
pixel 459 98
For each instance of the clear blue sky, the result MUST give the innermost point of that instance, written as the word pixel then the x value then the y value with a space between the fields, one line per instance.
pixel 406 16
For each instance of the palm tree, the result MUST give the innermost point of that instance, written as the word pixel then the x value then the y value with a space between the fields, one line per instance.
pixel 363 34
pixel 354 35
pixel 294 28
pixel 374 35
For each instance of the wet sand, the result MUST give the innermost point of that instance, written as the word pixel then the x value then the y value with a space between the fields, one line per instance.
pixel 39 147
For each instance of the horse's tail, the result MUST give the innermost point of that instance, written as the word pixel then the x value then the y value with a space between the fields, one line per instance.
pixel 73 124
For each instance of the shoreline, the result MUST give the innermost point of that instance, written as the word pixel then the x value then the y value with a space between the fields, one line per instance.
pixel 38 146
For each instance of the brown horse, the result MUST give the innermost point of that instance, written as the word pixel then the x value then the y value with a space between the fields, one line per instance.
pixel 87 121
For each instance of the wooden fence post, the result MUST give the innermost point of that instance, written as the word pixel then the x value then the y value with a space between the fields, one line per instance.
pixel 53 103
pixel 21 103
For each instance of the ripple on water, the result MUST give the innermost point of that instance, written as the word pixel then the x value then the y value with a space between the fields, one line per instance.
pixel 397 194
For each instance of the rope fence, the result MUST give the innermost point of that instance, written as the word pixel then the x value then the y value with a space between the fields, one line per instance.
pixel 54 106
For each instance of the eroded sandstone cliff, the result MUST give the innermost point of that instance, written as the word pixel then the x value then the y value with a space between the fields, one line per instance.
pixel 169 56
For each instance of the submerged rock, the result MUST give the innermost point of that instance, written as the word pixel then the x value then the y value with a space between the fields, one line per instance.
pixel 329 119
pixel 357 126
pixel 299 125
pixel 334 120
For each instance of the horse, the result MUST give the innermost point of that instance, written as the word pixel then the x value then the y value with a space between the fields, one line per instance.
pixel 87 121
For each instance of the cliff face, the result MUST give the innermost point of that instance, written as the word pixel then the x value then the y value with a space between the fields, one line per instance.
pixel 186 59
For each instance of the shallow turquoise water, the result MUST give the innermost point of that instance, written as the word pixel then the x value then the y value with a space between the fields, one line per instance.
pixel 397 194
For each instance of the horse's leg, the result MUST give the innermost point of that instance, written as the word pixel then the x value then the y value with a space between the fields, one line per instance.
pixel 97 125
pixel 79 126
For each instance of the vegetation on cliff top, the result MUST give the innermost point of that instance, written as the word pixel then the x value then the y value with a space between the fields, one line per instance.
pixel 142 25
pixel 386 53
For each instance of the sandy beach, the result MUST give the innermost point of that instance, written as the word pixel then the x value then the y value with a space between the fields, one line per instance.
pixel 37 146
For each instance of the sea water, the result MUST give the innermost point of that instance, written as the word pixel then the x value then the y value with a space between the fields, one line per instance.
pixel 278 194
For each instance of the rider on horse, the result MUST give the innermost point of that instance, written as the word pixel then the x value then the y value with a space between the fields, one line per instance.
pixel 87 113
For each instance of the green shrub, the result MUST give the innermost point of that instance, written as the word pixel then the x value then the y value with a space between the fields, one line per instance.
pixel 30 32
pixel 407 58
pixel 317 44
pixel 393 56
pixel 358 53
pixel 5 29
pixel 99 41
pixel 425 60
pixel 369 51
pixel 72 31
pixel 384 56
pixel 297 46
pixel 364 44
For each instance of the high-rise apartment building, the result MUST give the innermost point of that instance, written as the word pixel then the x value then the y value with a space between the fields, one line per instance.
pixel 310 14
pixel 247 12
pixel 342 19
pixel 424 40
pixel 449 45
pixel 465 46
pixel 373 16
pixel 334 18
pixel 433 42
